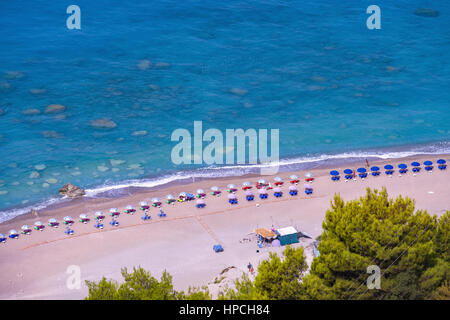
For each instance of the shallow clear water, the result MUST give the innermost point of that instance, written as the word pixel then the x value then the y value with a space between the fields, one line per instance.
pixel 310 68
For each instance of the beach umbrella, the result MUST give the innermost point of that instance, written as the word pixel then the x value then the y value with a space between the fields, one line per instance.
pixel 361 170
pixel 155 200
pixel 99 214
pixel 129 208
pixel 348 171
pixel 113 210
pixel 52 222
pixel 13 232
pixel 334 173
pixel 262 191
pixel 182 194
pixel 292 188
pixel 231 186
pixel 68 219
pixel 143 204
pixel 200 191
pixel 26 228
pixel 277 190
pixel 2 237
pixel 441 161
pixel 308 175
pixel 388 167
pixel 262 181
pixel 307 186
pixel 278 179
pixel 38 224
pixel 200 201
pixel 375 168
pixel 231 196
pixel 428 163
pixel 83 216
pixel 293 177
pixel 248 193
pixel 402 166
pixel 215 188
pixel 415 164
pixel 170 197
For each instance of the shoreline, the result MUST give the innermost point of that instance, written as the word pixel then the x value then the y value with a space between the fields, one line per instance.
pixel 172 186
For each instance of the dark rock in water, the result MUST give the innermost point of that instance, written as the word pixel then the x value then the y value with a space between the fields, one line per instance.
pixel 71 191
pixel 426 12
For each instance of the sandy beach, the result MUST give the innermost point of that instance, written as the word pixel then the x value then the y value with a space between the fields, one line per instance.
pixel 34 266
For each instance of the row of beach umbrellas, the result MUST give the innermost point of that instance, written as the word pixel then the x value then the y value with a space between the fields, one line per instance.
pixel 375 170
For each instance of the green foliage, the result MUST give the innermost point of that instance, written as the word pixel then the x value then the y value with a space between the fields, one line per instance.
pixel 245 290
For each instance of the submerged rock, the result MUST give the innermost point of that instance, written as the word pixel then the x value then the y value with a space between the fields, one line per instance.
pixel 31 112
pixel 239 91
pixel 426 12
pixel 37 91
pixel 103 124
pixel 40 167
pixel 14 75
pixel 35 175
pixel 139 133
pixel 55 108
pixel 71 191
pixel 162 65
pixel 51 134
pixel 144 64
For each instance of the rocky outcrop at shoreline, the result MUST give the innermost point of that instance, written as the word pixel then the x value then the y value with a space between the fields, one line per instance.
pixel 71 191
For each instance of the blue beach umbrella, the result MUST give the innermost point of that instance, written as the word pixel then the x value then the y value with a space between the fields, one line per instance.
pixel 361 170
pixel 441 161
pixel 415 164
pixel 402 166
pixel 375 169
pixel 428 163
pixel 348 171
pixel 334 173
pixel 388 167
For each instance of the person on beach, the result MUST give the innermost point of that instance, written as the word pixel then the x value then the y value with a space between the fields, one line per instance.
pixel 250 267
pixel 367 163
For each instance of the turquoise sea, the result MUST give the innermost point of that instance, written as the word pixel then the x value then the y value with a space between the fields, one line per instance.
pixel 310 68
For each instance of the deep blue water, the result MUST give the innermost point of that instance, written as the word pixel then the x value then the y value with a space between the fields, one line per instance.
pixel 310 68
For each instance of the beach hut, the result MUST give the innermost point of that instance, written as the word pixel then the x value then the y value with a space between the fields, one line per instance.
pixel 265 235
pixel 39 226
pixel 334 175
pixel 278 181
pixel 156 202
pixel 246 185
pixel 308 189
pixel 99 216
pixel 277 192
pixel 293 190
pixel 402 168
pixel 67 220
pixel 2 238
pixel 348 174
pixel 130 209
pixel 215 190
pixel 84 218
pixel 170 198
pixel 416 166
pixel 113 212
pixel 362 172
pixel 69 231
pixel 25 229
pixel 249 195
pixel 375 171
pixel 389 170
pixel 144 205
pixel 231 188
pixel 294 179
pixel 262 194
pixel 309 177
pixel 53 223
pixel 201 193
pixel 288 235
pixel 200 203
pixel 232 198
pixel 13 234
pixel 442 164
pixel 428 166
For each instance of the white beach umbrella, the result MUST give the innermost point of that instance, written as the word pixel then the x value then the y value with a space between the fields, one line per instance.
pixel 99 214
pixel 231 186
pixel 262 181
pixel 113 210
pixel 129 207
pixel 182 194
pixel 25 227
pixel 293 177
pixel 38 224
pixel 170 197
pixel 308 175
pixel 2 236
pixel 52 220
pixel 13 232
pixel 277 179
pixel 262 191
pixel 143 203
pixel 68 219
pixel 215 188
pixel 292 188
pixel 200 201
pixel 83 216
pixel 307 186
pixel 200 191
pixel 246 184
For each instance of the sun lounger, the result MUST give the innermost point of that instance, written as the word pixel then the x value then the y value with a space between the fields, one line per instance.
pixel 146 217
pixel 69 231
pixel 114 223
pixel 217 248
pixel 161 214
pixel 98 225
